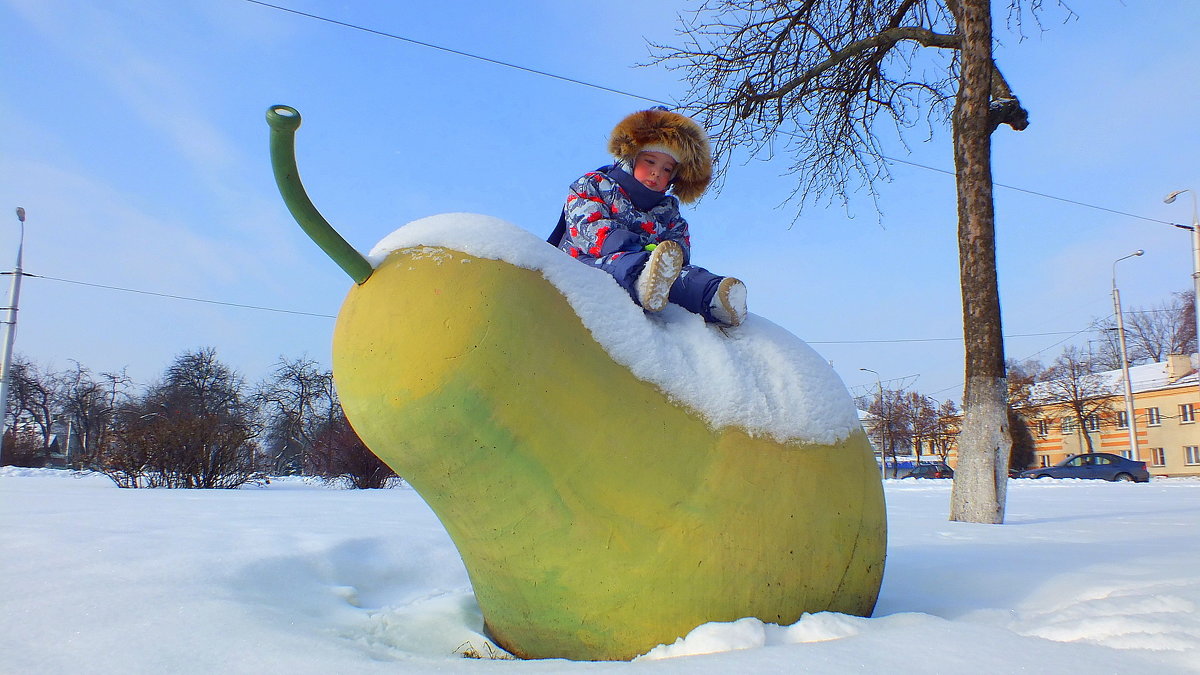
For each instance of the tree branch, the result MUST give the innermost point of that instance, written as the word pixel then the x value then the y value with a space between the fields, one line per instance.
pixel 885 40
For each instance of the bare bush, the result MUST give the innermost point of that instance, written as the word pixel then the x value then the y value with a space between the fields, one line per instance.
pixel 194 429
pixel 22 447
pixel 340 456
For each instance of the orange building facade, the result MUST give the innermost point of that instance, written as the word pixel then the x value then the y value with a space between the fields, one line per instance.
pixel 1166 402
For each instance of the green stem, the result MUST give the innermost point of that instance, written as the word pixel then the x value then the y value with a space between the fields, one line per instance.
pixel 284 121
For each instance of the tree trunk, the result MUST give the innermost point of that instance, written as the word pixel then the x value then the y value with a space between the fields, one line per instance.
pixel 981 477
pixel 1085 440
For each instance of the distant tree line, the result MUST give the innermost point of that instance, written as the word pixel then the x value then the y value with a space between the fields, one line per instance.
pixel 904 421
pixel 200 425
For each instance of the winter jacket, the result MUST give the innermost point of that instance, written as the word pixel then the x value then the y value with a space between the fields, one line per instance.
pixel 609 214
pixel 609 219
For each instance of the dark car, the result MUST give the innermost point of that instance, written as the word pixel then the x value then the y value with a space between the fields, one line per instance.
pixel 1095 465
pixel 929 471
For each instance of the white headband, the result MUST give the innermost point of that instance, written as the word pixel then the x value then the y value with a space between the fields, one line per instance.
pixel 654 147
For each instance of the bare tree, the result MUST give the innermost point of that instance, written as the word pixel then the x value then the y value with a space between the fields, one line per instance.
pixel 1104 345
pixel 298 401
pixel 886 426
pixel 921 419
pixel 1084 395
pixel 88 405
pixel 945 434
pixel 1188 339
pixel 823 76
pixel 31 408
pixel 900 420
pixel 907 420
pixel 1022 376
pixel 1151 333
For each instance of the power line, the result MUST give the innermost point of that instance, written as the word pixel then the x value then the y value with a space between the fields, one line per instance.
pixel 1037 194
pixel 456 52
pixel 945 339
pixel 177 297
pixel 1091 326
pixel 331 316
pixel 563 78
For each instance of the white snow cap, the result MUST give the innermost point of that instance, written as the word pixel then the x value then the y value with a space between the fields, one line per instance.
pixel 757 376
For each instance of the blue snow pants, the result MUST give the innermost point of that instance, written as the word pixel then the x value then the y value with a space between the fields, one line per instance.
pixel 693 290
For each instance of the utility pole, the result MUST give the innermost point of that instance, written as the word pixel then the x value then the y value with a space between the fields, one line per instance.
pixel 878 429
pixel 1133 442
pixel 10 328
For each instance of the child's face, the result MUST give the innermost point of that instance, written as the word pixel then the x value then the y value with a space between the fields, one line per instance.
pixel 654 170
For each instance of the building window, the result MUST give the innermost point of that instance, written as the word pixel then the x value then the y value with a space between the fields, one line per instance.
pixel 1158 457
pixel 1043 427
pixel 1092 423
pixel 1068 425
pixel 1153 417
pixel 1127 454
pixel 1122 419
pixel 1191 454
pixel 1045 461
pixel 1187 413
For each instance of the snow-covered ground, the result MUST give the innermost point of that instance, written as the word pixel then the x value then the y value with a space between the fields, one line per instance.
pixel 299 578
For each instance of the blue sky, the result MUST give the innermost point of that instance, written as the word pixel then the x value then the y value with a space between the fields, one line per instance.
pixel 134 138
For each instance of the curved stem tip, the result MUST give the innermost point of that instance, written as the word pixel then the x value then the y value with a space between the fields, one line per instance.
pixel 284 120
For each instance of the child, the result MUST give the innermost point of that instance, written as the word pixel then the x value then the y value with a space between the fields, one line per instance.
pixel 621 219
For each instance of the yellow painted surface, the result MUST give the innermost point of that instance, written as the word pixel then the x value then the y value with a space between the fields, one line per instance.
pixel 596 518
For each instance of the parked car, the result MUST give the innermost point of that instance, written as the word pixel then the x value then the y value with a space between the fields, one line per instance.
pixel 929 471
pixel 1095 465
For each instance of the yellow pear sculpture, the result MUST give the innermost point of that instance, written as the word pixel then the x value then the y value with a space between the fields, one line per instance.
pixel 598 513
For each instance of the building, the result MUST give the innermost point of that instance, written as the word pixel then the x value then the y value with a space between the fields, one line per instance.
pixel 1166 402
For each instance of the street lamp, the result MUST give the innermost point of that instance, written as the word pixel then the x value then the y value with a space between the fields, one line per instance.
pixel 1195 228
pixel 10 328
pixel 1133 446
pixel 882 456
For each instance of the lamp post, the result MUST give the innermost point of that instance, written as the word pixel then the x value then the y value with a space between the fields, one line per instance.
pixel 10 327
pixel 882 455
pixel 1195 254
pixel 1132 424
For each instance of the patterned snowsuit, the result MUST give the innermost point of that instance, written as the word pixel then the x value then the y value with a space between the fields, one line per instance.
pixel 608 220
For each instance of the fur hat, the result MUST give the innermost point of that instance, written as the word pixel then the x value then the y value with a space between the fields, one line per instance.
pixel 660 130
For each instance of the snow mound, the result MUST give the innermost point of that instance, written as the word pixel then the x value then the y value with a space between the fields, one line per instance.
pixel 751 633
pixel 758 376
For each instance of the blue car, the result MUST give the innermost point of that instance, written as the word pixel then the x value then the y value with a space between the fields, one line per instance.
pixel 1094 465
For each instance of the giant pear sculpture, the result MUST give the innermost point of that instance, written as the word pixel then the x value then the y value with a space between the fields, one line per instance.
pixel 595 534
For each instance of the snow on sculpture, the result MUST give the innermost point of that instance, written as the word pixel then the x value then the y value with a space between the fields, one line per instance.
pixel 611 479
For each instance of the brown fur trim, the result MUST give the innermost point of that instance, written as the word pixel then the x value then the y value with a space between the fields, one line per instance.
pixel 683 136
